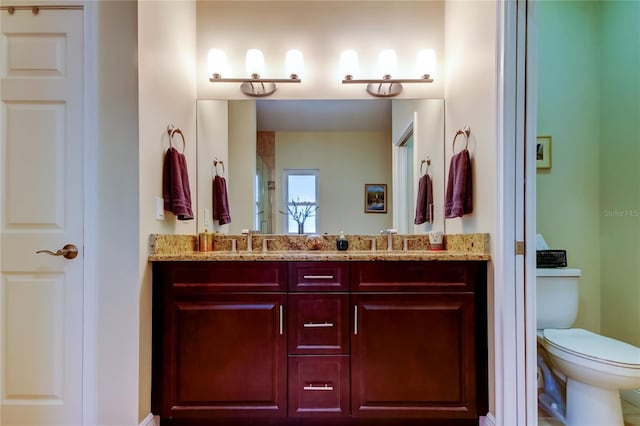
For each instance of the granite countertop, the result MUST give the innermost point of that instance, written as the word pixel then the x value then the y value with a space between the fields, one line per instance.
pixel 458 247
pixel 310 255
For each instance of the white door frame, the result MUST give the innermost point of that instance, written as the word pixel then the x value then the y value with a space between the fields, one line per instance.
pixel 514 296
pixel 90 338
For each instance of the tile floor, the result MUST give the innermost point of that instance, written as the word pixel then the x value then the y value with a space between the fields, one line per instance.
pixel 631 416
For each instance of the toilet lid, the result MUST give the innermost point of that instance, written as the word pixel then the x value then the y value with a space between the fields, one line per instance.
pixel 590 345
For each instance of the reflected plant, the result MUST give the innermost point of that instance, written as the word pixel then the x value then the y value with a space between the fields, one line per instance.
pixel 300 211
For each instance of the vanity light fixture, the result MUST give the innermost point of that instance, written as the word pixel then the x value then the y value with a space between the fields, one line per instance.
pixel 387 66
pixel 254 85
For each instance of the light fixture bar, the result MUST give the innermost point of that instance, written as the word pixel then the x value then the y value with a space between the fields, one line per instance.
pixel 386 86
pixel 426 79
pixel 253 80
pixel 255 86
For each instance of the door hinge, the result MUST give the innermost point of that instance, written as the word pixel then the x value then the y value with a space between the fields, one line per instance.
pixel 519 248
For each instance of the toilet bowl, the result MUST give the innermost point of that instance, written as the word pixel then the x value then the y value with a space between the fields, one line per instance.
pixel 595 367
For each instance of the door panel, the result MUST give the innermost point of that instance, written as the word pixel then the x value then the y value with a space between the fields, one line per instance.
pixel 41 207
pixel 229 356
pixel 413 355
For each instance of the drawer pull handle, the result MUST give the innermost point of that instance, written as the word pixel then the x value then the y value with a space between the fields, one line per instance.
pixel 318 388
pixel 318 324
pixel 281 320
pixel 318 277
pixel 355 319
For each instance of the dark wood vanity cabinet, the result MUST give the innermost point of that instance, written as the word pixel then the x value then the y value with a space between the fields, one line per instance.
pixel 419 340
pixel 297 341
pixel 219 350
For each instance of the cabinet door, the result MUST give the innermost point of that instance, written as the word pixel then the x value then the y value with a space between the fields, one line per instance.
pixel 226 356
pixel 413 355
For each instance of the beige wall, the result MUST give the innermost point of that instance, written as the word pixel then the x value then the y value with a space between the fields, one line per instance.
pixel 242 165
pixel 346 160
pixel 470 99
pixel 321 30
pixel 118 239
pixel 171 67
pixel 166 95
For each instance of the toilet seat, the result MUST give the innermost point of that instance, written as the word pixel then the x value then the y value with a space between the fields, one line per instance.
pixel 585 344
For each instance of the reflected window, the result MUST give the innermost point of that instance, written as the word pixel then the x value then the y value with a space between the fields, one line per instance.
pixel 301 195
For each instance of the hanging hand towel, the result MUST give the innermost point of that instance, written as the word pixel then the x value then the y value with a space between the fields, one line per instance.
pixel 459 197
pixel 424 201
pixel 175 185
pixel 220 201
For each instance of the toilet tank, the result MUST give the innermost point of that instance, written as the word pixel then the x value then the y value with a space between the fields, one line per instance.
pixel 556 297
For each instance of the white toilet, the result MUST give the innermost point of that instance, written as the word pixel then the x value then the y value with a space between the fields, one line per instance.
pixel 596 367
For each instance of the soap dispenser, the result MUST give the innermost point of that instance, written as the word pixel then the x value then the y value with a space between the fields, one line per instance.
pixel 342 243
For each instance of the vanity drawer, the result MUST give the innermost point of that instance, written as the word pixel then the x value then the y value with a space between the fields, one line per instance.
pixel 318 276
pixel 319 386
pixel 212 277
pixel 441 276
pixel 318 323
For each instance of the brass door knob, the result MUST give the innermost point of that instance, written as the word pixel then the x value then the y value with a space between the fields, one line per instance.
pixel 69 251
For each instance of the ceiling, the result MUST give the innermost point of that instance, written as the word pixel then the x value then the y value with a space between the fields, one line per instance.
pixel 324 115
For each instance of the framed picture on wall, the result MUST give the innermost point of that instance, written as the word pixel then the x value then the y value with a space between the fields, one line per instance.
pixel 375 198
pixel 543 152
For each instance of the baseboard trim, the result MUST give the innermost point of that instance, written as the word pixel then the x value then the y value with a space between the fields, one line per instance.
pixel 150 420
pixel 632 396
pixel 487 420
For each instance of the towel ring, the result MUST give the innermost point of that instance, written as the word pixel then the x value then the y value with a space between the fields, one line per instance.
pixel 428 161
pixel 172 130
pixel 466 132
pixel 215 165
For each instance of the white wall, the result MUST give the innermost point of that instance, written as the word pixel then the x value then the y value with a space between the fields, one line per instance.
pixel 117 251
pixel 166 95
pixel 321 30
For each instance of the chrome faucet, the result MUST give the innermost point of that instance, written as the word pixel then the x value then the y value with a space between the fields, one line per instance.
pixel 389 233
pixel 265 242
pixel 373 244
pixel 249 233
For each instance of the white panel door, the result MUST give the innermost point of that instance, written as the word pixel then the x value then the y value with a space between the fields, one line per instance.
pixel 41 207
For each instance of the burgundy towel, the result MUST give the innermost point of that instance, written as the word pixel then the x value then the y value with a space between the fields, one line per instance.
pixel 175 185
pixel 459 197
pixel 424 201
pixel 220 201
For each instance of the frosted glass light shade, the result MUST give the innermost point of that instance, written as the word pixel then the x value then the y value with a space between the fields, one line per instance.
pixel 217 62
pixel 426 62
pixel 294 63
pixel 349 63
pixel 255 62
pixel 387 62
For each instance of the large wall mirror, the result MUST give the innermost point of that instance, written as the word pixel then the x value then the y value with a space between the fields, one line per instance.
pixel 354 165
